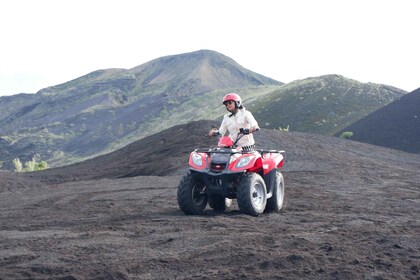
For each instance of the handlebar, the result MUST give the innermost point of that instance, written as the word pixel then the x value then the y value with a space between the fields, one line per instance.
pixel 244 131
pixel 247 131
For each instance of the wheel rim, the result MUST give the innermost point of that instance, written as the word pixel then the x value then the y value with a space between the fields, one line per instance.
pixel 257 195
pixel 280 193
pixel 198 194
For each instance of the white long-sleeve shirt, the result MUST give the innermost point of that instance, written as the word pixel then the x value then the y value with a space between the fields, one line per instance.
pixel 232 124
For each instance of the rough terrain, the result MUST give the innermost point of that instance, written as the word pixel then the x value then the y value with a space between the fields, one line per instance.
pixel 352 212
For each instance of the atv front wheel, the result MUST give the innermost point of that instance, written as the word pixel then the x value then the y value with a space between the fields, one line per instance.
pixel 191 195
pixel 252 194
pixel 275 203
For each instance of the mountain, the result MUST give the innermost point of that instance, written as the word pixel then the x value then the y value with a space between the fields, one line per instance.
pixel 322 105
pixel 395 126
pixel 109 109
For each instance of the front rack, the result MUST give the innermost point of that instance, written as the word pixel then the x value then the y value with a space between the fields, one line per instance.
pixel 235 151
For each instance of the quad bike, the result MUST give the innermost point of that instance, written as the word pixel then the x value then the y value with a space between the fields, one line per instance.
pixel 218 175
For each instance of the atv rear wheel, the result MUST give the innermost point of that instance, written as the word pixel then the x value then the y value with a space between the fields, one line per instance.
pixel 191 195
pixel 218 202
pixel 275 203
pixel 252 194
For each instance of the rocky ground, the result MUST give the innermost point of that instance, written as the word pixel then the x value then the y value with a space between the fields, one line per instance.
pixel 351 212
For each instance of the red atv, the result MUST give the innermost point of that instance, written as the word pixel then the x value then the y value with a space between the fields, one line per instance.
pixel 218 175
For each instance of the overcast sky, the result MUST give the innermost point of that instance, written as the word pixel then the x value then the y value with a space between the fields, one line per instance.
pixel 48 42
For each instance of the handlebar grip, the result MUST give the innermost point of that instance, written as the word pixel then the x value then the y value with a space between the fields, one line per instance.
pixel 244 130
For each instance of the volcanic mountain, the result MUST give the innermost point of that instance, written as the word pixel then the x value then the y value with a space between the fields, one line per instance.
pixel 107 109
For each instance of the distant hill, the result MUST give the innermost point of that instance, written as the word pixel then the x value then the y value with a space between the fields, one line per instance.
pixel 396 125
pixel 108 109
pixel 322 105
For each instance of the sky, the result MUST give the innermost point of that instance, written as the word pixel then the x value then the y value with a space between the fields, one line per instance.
pixel 49 42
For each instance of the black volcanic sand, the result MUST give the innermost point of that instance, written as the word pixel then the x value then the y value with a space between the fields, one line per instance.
pixel 352 212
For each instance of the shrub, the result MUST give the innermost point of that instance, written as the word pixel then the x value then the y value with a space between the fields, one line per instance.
pixel 30 166
pixel 284 129
pixel 41 166
pixel 346 134
pixel 18 165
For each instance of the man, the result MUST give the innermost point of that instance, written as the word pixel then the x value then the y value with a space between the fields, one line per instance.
pixel 236 118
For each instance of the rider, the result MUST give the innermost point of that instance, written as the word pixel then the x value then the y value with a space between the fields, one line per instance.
pixel 237 117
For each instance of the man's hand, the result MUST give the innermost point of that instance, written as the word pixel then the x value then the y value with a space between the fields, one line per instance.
pixel 213 131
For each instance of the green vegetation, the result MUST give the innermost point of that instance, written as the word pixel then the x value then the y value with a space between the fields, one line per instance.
pixel 346 134
pixel 30 166
pixel 284 129
pixel 17 164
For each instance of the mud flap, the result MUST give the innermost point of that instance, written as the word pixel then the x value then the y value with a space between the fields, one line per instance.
pixel 270 180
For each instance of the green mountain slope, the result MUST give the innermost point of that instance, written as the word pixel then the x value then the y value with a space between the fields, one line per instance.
pixel 322 105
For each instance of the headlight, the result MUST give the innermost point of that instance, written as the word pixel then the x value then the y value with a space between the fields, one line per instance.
pixel 233 158
pixel 243 162
pixel 197 159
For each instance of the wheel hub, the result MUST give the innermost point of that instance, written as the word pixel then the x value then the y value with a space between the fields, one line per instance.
pixel 257 195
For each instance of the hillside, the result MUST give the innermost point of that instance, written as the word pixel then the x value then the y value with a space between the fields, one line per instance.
pixel 351 212
pixel 161 154
pixel 166 153
pixel 322 105
pixel 395 126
